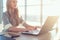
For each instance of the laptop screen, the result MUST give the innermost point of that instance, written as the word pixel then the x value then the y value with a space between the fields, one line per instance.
pixel 49 23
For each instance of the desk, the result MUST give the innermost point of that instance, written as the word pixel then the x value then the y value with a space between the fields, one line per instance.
pixel 46 36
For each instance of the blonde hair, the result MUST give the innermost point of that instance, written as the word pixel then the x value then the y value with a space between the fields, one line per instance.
pixel 13 16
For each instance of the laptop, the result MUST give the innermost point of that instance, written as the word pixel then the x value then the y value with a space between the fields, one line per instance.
pixel 48 25
pixel 5 38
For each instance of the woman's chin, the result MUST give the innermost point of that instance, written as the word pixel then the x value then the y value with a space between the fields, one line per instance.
pixel 13 7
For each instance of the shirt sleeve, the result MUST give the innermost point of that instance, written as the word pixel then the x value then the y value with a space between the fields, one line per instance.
pixel 6 23
pixel 7 26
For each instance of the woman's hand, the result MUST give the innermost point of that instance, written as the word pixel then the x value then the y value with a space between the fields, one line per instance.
pixel 30 28
pixel 14 29
pixel 38 27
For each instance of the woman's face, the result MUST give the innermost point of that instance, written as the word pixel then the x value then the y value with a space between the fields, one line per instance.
pixel 13 3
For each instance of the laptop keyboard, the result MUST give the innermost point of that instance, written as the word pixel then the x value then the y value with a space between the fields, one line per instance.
pixel 34 31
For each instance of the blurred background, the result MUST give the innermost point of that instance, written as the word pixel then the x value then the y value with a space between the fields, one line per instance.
pixel 35 12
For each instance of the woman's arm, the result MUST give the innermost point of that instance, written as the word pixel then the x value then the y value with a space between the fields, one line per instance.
pixel 27 26
pixel 14 29
pixel 8 26
pixel 6 23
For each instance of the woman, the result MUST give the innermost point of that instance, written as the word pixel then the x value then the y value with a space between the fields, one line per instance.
pixel 11 19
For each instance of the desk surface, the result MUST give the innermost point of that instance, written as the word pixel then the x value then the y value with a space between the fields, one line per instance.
pixel 46 36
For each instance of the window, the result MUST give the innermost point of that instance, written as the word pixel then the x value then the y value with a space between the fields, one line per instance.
pixel 35 12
